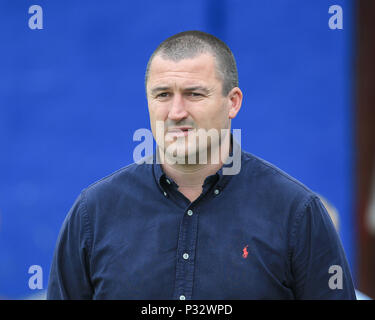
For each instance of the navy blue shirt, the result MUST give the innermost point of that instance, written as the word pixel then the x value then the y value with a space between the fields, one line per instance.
pixel 259 234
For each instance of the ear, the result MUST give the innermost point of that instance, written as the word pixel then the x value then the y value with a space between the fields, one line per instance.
pixel 235 101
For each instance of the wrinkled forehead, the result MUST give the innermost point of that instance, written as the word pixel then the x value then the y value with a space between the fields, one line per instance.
pixel 201 68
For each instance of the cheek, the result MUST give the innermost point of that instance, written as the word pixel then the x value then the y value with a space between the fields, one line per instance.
pixel 214 115
pixel 158 112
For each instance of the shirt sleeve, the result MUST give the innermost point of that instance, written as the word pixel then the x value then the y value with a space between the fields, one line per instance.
pixel 69 276
pixel 319 265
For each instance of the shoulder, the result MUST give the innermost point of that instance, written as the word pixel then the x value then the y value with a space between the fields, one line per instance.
pixel 275 185
pixel 258 168
pixel 120 181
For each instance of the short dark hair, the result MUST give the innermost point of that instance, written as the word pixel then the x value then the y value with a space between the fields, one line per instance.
pixel 189 44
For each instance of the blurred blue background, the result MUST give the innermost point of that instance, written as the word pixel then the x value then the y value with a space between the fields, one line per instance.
pixel 72 95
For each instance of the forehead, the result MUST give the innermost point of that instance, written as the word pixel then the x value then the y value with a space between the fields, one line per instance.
pixel 200 69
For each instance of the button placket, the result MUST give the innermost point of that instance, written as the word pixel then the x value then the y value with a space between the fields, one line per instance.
pixel 186 250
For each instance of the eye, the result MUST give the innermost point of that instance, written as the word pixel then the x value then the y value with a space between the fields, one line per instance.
pixel 163 95
pixel 194 94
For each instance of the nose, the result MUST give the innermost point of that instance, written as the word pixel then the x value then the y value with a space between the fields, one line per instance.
pixel 177 110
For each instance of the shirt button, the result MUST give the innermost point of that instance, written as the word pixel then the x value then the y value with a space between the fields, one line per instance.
pixel 165 193
pixel 185 256
pixel 190 212
pixel 217 191
pixel 168 181
pixel 182 297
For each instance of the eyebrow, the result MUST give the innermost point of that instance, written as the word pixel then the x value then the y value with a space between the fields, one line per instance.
pixel 198 88
pixel 194 88
pixel 158 89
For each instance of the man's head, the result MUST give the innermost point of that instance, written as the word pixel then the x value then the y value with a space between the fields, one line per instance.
pixel 192 82
pixel 189 44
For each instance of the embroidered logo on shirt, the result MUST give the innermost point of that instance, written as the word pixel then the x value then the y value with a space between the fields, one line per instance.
pixel 245 253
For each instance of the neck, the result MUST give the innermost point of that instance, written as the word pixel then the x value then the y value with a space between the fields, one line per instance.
pixel 192 176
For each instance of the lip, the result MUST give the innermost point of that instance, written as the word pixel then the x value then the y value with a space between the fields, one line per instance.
pixel 179 132
pixel 180 129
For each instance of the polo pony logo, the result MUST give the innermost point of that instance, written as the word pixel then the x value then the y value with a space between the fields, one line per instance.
pixel 245 253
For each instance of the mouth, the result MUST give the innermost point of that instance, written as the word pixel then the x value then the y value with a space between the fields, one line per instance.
pixel 179 132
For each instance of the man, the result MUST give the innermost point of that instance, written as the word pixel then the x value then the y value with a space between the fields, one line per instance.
pixel 182 228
